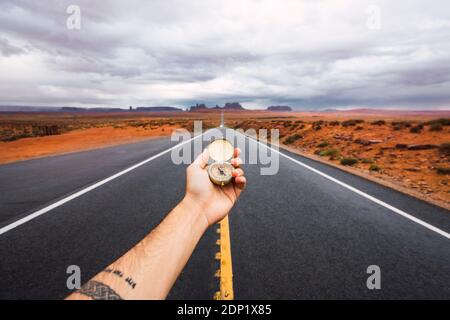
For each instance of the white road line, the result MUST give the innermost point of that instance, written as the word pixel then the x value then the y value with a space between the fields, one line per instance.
pixel 361 193
pixel 59 203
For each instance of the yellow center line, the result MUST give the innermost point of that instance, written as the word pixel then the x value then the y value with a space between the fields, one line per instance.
pixel 226 266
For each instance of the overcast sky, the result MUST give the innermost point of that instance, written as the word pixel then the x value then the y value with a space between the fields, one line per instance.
pixel 308 54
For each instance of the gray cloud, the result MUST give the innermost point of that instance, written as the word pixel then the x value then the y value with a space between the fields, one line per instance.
pixel 6 49
pixel 308 54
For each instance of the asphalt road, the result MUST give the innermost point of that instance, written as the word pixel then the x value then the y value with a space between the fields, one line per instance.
pixel 294 235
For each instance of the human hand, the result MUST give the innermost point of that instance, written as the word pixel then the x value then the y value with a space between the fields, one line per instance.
pixel 213 201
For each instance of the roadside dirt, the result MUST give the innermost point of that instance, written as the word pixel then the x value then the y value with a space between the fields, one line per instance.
pixel 396 153
pixel 77 140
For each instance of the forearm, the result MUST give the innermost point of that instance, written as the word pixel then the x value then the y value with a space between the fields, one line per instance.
pixel 149 270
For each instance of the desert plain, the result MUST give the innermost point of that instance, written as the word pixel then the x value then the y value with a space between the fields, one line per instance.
pixel 407 151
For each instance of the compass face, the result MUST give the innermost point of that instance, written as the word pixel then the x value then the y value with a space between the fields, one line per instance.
pixel 220 173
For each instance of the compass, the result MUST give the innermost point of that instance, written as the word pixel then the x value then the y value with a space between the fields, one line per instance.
pixel 221 152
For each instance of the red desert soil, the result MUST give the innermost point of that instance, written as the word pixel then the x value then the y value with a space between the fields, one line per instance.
pixel 385 152
pixel 83 139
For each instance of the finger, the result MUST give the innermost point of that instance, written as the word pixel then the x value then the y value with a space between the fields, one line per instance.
pixel 238 173
pixel 202 159
pixel 237 152
pixel 241 182
pixel 236 162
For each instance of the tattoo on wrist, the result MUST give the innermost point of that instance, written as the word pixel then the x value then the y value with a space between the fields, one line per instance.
pixel 120 274
pixel 98 291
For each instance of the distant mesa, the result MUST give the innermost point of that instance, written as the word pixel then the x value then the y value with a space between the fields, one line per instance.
pixel 233 106
pixel 77 109
pixel 138 109
pixel 228 106
pixel 279 108
pixel 72 109
pixel 199 107
pixel 15 108
pixel 157 109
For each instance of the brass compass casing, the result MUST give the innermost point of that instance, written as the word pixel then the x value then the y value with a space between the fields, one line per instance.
pixel 220 171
